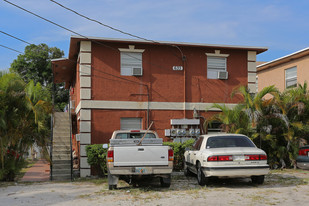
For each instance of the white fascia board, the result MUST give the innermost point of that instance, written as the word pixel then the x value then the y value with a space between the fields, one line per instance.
pixel 127 105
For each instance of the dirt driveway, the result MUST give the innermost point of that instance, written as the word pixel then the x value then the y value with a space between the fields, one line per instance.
pixel 280 188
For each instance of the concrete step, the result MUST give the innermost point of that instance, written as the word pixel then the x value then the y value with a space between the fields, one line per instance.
pixel 61 157
pixel 57 171
pixel 62 162
pixel 58 146
pixel 61 177
pixel 61 151
pixel 60 140
pixel 62 166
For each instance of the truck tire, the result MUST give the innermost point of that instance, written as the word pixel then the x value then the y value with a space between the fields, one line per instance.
pixel 166 181
pixel 112 187
pixel 201 179
pixel 258 179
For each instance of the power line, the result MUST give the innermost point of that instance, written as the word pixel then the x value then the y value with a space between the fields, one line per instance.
pixel 11 49
pixel 15 37
pixel 118 30
pixel 100 43
pixel 105 25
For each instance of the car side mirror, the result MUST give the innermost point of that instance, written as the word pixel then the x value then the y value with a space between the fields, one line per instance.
pixel 105 146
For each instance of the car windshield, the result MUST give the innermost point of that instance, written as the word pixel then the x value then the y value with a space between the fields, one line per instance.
pixel 134 135
pixel 228 141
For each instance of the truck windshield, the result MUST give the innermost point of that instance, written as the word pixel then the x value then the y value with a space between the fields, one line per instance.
pixel 134 135
pixel 228 141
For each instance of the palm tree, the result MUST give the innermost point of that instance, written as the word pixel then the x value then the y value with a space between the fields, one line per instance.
pixel 254 102
pixel 234 120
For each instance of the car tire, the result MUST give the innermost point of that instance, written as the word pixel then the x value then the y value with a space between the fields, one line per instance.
pixel 186 170
pixel 258 179
pixel 166 181
pixel 201 179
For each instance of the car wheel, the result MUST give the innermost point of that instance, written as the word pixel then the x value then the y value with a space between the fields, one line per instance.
pixel 186 171
pixel 165 181
pixel 201 179
pixel 258 179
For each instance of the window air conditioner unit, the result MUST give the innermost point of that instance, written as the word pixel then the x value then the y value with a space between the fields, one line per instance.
pixel 137 71
pixel 223 75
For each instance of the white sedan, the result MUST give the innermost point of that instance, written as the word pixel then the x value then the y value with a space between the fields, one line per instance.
pixel 225 156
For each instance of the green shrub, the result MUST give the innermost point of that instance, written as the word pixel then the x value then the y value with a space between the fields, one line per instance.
pixel 96 157
pixel 13 163
pixel 179 150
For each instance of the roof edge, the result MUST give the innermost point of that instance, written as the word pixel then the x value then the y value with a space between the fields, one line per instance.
pixel 281 58
pixel 254 48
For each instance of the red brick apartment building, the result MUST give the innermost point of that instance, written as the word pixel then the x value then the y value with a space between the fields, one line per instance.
pixel 127 84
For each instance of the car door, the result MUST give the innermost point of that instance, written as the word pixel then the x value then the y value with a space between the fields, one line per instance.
pixel 194 153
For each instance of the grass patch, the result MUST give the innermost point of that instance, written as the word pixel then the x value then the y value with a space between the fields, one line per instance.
pixel 28 163
pixel 96 181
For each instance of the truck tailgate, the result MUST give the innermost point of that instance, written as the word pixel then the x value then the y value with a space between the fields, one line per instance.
pixel 141 156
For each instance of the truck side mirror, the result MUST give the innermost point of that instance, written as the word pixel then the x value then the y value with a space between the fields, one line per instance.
pixel 105 146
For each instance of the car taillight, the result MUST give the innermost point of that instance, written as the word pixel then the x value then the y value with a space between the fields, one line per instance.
pixel 135 130
pixel 220 158
pixel 110 156
pixel 212 158
pixel 170 155
pixel 303 152
pixel 255 157
pixel 263 157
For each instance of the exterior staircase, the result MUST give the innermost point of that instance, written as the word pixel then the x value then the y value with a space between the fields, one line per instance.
pixel 61 147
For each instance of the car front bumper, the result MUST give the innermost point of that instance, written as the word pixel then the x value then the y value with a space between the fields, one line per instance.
pixel 302 162
pixel 236 171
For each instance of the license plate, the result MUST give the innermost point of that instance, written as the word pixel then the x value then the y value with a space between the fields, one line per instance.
pixel 140 170
pixel 239 158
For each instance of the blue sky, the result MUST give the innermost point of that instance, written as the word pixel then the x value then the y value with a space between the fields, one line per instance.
pixel 280 25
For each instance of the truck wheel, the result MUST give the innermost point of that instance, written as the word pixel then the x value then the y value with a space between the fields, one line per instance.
pixel 201 179
pixel 112 187
pixel 258 179
pixel 165 181
pixel 186 170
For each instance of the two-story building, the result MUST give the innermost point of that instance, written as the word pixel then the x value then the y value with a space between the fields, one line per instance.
pixel 284 72
pixel 127 84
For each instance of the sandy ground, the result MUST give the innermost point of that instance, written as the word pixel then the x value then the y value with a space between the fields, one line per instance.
pixel 280 188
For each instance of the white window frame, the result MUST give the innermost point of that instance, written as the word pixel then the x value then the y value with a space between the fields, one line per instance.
pixel 292 78
pixel 129 59
pixel 214 67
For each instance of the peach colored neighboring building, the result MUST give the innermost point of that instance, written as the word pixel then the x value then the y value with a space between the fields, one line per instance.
pixel 285 72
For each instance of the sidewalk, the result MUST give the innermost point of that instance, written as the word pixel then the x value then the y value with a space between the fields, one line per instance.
pixel 39 172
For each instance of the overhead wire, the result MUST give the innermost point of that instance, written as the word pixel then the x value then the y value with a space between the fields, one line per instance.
pixel 14 37
pixel 97 42
pixel 11 49
pixel 118 30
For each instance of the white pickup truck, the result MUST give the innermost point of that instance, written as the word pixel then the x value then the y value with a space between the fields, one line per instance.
pixel 133 154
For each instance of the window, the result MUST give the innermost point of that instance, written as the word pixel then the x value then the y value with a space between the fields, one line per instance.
pixel 131 63
pixel 134 135
pixel 291 77
pixel 215 65
pixel 198 143
pixel 130 123
pixel 228 141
